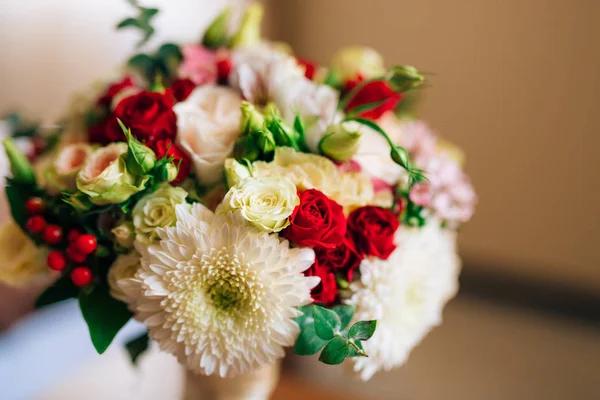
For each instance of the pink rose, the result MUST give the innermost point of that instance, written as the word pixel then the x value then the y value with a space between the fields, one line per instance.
pixel 199 65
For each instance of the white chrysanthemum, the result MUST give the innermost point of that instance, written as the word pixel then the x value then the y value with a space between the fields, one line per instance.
pixel 219 294
pixel 405 294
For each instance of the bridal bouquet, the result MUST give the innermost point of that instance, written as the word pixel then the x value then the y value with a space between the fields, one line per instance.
pixel 238 200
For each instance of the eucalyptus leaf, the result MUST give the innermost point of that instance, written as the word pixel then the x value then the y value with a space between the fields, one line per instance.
pixel 308 343
pixel 104 315
pixel 137 346
pixel 345 312
pixel 327 323
pixel 362 330
pixel 335 352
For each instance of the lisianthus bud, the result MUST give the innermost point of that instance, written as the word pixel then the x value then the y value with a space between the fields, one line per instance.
pixel 217 33
pixel 105 178
pixel 404 78
pixel 249 32
pixel 252 119
pixel 124 234
pixel 235 172
pixel 283 134
pixel 140 159
pixel 21 169
pixel 263 138
pixel 156 210
pixel 340 142
pixel 352 61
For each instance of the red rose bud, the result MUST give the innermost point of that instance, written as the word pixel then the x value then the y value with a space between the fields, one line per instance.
pixel 56 260
pixel 35 205
pixel 85 244
pixel 316 222
pixel 224 67
pixel 373 92
pixel 52 234
pixel 310 68
pixel 167 148
pixel 81 276
pixel 326 292
pixel 181 88
pixel 343 259
pixel 149 116
pixel 35 224
pixel 373 229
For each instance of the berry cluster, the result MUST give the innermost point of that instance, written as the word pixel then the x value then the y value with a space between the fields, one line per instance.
pixel 79 245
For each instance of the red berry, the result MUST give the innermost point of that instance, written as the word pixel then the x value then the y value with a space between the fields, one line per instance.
pixel 85 243
pixel 35 205
pixel 56 260
pixel 81 276
pixel 52 234
pixel 35 224
pixel 74 255
pixel 73 235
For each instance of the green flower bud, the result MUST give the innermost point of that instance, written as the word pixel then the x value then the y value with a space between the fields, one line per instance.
pixel 352 61
pixel 217 33
pixel 235 172
pixel 139 159
pixel 400 156
pixel 340 142
pixel 264 140
pixel 252 119
pixel 404 78
pixel 283 134
pixel 172 171
pixel 249 32
pixel 21 169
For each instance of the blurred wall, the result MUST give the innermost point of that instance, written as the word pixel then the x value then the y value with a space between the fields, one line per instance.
pixel 516 85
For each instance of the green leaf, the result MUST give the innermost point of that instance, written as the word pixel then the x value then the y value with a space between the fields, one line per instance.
pixel 327 323
pixel 308 343
pixel 62 289
pixel 104 315
pixel 362 330
pixel 16 195
pixel 335 352
pixel 127 22
pixel 354 352
pixel 217 33
pixel 169 51
pixel 136 347
pixel 21 168
pixel 345 312
pixel 366 107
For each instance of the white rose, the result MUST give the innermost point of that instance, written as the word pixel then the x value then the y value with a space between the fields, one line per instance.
pixel 124 267
pixel 156 210
pixel 208 125
pixel 105 178
pixel 266 203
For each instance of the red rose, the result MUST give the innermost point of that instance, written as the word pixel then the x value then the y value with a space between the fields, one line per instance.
pixel 325 292
pixel 165 147
pixel 149 115
pixel 310 68
pixel 343 259
pixel 181 88
pixel 373 230
pixel 317 222
pixel 373 92
pixel 113 90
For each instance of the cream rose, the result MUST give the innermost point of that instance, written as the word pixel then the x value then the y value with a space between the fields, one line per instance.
pixel 266 203
pixel 156 210
pixel 22 262
pixel 105 178
pixel 62 174
pixel 124 267
pixel 124 234
pixel 208 125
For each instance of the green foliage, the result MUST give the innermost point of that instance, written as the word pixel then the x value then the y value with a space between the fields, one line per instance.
pixel 143 21
pixel 160 65
pixel 217 35
pixel 17 193
pixel 104 315
pixel 137 346
pixel 19 126
pixel 326 329
pixel 62 289
pixel 21 169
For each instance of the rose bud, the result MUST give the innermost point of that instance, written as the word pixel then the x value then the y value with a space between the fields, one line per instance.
pixel 139 159
pixel 404 78
pixel 252 120
pixel 217 33
pixel 340 142
pixel 249 32
pixel 283 134
pixel 352 61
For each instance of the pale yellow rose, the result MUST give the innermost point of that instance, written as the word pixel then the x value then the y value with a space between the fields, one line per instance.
pixel 124 267
pixel 266 203
pixel 355 190
pixel 352 61
pixel 22 262
pixel 124 234
pixel 105 178
pixel 156 210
